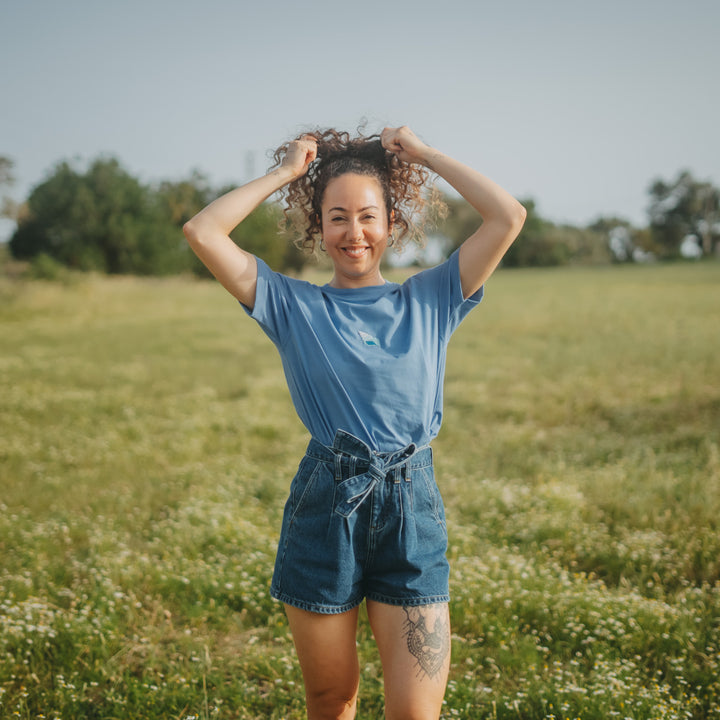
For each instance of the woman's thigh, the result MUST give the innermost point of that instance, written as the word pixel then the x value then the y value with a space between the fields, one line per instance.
pixel 414 645
pixel 327 652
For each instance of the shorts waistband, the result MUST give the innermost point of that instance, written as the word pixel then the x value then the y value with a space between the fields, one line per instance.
pixel 352 447
pixel 369 466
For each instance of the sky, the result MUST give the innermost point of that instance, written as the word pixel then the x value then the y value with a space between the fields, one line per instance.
pixel 577 105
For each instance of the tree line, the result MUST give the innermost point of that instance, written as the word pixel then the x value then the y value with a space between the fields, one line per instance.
pixel 103 219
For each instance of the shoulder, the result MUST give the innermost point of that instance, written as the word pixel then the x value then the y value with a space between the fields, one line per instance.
pixel 440 288
pixel 434 278
pixel 279 282
pixel 278 295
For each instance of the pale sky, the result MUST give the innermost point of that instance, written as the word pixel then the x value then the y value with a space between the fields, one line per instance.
pixel 578 105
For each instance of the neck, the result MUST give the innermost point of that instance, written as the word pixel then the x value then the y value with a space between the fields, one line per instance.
pixel 349 283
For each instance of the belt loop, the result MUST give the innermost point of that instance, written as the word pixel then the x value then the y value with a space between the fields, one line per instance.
pixel 355 485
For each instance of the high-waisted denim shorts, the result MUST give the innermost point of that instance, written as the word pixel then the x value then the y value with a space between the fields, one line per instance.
pixel 360 524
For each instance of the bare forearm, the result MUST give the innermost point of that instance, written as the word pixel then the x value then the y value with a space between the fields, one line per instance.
pixel 208 233
pixel 224 214
pixel 487 197
pixel 503 216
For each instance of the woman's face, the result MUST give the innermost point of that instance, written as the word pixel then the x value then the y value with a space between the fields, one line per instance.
pixel 355 229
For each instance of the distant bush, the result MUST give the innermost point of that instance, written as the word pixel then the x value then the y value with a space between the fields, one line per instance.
pixel 44 267
pixel 105 220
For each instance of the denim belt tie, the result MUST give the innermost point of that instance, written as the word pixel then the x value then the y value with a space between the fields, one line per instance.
pixel 351 493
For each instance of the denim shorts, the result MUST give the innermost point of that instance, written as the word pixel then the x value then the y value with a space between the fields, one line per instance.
pixel 360 524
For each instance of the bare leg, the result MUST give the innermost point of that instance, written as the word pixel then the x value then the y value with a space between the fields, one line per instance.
pixel 327 653
pixel 414 645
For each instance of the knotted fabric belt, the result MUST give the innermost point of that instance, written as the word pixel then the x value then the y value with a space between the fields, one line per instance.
pixel 367 468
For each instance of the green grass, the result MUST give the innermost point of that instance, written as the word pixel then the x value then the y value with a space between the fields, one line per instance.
pixel 147 442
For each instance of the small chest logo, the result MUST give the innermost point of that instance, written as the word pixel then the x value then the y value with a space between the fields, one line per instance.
pixel 369 339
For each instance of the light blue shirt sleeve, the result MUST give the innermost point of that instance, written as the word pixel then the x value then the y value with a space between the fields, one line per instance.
pixel 273 294
pixel 441 286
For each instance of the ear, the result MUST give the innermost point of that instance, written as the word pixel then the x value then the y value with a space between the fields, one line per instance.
pixel 391 221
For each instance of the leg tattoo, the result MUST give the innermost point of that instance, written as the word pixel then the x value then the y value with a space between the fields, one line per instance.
pixel 430 647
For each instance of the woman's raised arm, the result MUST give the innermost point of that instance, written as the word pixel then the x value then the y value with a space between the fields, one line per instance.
pixel 208 232
pixel 503 216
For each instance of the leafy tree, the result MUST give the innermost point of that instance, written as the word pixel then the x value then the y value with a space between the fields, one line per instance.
pixel 538 244
pixel 7 179
pixel 581 245
pixel 461 222
pixel 541 243
pixel 102 219
pixel 261 233
pixel 681 208
pixel 6 175
pixel 181 200
pixel 624 242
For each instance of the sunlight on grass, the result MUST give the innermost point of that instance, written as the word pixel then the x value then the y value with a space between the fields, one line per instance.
pixel 147 442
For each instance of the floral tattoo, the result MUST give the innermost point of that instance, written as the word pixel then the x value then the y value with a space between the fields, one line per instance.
pixel 429 646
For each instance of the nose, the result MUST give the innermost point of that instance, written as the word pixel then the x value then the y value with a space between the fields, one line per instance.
pixel 355 230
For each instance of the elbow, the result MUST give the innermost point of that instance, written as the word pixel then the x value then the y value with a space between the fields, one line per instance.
pixel 191 232
pixel 512 220
pixel 516 220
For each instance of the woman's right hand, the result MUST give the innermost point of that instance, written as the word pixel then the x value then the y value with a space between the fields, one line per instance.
pixel 300 153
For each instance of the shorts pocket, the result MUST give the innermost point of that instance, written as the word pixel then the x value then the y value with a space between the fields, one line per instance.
pixel 305 517
pixel 428 495
pixel 313 499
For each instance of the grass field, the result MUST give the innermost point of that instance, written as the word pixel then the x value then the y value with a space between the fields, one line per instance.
pixel 147 442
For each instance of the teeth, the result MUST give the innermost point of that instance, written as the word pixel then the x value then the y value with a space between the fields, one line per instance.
pixel 355 252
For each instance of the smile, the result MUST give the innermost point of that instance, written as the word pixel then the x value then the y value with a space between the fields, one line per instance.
pixel 355 252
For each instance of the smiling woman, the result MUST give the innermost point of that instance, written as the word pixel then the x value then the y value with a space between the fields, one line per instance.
pixel 355 229
pixel 365 361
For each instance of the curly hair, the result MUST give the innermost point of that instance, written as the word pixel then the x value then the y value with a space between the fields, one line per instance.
pixel 408 201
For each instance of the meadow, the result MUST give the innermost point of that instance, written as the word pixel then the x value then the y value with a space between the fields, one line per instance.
pixel 147 442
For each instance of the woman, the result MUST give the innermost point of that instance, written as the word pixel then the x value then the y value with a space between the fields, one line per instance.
pixel 364 360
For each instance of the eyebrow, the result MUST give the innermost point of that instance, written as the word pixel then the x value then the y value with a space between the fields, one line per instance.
pixel 367 207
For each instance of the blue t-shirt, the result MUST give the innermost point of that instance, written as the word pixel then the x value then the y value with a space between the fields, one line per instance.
pixel 371 360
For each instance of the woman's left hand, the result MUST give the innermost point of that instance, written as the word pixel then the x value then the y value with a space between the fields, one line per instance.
pixel 406 145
